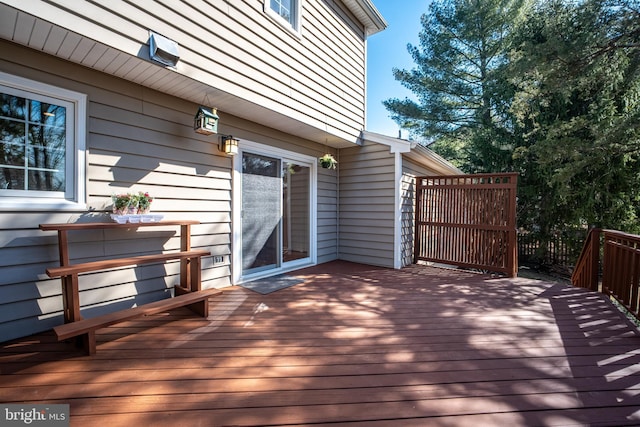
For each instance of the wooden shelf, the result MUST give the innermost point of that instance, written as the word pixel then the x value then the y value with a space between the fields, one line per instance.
pixel 103 225
pixel 189 293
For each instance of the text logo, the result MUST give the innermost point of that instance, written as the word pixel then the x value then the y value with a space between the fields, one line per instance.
pixel 34 415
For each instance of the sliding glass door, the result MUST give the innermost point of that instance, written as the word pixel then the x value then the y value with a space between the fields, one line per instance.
pixel 261 212
pixel 275 213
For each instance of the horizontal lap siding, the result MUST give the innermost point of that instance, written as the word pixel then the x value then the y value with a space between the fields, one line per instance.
pixel 327 215
pixel 138 140
pixel 367 211
pixel 234 47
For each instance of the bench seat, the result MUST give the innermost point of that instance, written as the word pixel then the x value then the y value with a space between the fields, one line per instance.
pixel 197 301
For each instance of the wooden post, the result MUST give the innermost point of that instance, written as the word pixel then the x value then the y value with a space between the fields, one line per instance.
pixel 513 227
pixel 417 218
pixel 185 245
pixel 595 258
pixel 70 287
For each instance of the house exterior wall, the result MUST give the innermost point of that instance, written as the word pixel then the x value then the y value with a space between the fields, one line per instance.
pixel 327 215
pixel 367 204
pixel 137 140
pixel 412 168
pixel 242 55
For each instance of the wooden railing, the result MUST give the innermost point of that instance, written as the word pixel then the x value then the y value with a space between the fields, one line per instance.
pixel 586 272
pixel 620 267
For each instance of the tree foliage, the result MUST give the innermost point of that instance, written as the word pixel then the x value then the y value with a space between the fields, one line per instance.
pixel 576 70
pixel 550 89
pixel 457 80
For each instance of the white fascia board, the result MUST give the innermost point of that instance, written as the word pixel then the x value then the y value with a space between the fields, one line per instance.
pixel 396 145
pixel 433 161
pixel 367 14
pixel 414 151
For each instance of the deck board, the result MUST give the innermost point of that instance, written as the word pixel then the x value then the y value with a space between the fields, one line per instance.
pixel 352 345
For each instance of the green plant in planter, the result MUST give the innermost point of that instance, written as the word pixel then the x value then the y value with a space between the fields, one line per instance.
pixel 144 202
pixel 121 203
pixel 128 203
pixel 328 161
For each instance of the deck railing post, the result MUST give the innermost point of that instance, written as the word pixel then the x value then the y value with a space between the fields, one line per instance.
pixel 595 258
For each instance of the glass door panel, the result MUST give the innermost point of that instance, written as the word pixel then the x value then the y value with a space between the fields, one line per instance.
pixel 261 213
pixel 296 211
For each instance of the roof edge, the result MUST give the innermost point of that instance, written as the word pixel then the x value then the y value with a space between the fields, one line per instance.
pixel 414 151
pixel 367 13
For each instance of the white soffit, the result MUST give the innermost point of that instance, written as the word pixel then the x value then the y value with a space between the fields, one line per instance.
pixel 367 13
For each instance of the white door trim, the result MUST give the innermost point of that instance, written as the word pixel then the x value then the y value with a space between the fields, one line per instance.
pixel 236 209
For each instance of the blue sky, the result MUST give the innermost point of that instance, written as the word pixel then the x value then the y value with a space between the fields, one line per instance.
pixel 387 50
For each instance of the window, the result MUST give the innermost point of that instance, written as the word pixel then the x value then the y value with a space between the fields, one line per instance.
pixel 286 12
pixel 41 145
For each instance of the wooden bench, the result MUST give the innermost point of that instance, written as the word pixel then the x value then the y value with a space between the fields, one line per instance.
pixel 197 302
pixel 188 294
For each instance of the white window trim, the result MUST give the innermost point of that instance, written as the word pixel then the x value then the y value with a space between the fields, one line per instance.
pixel 295 30
pixel 75 197
pixel 267 150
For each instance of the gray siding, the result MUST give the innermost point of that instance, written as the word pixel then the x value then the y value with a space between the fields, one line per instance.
pixel 233 47
pixel 138 139
pixel 410 170
pixel 367 199
pixel 327 215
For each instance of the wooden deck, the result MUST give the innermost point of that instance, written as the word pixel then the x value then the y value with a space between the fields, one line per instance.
pixel 353 345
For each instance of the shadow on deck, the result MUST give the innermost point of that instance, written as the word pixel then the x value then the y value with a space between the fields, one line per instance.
pixel 352 345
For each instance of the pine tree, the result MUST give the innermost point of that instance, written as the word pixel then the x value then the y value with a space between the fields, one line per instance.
pixel 458 82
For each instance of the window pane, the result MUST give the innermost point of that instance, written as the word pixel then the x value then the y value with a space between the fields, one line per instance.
pixel 12 106
pixel 284 9
pixel 12 155
pixel 46 180
pixel 296 215
pixel 11 179
pixel 46 147
pixel 33 145
pixel 49 114
pixel 261 186
pixel 12 132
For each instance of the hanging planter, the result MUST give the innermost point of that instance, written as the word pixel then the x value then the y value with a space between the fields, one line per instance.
pixel 328 161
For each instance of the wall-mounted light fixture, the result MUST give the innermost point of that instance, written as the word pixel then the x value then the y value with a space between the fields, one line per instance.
pixel 163 50
pixel 206 121
pixel 228 145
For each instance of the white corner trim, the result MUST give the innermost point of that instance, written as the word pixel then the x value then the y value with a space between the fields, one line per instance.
pixel 397 224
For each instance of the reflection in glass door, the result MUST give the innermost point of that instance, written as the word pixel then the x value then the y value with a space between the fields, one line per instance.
pixel 295 212
pixel 275 213
pixel 261 187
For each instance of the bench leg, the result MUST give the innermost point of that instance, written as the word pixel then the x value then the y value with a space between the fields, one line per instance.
pixel 200 308
pixel 87 342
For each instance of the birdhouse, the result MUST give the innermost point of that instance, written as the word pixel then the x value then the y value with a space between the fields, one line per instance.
pixel 206 121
